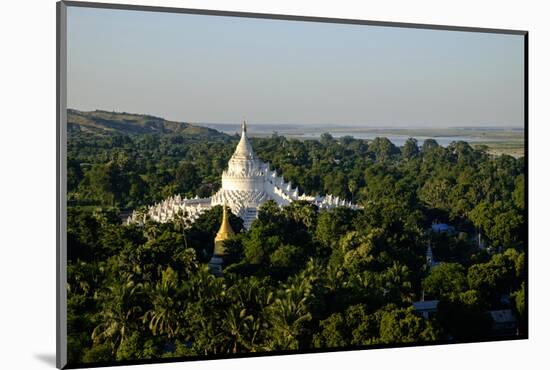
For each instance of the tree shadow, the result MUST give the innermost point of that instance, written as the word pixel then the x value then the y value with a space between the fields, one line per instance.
pixel 47 358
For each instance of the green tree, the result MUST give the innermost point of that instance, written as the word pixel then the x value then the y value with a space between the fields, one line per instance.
pixel 333 332
pixel 429 145
pixel 164 316
pixel 186 177
pixel 331 226
pixel 291 311
pixel 326 139
pixel 463 316
pixel 383 149
pixel 120 307
pixel 519 192
pixel 518 298
pixel 435 193
pixel 401 325
pixel 410 149
pixel 445 280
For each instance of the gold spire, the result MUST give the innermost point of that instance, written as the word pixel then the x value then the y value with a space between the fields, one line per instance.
pixel 223 234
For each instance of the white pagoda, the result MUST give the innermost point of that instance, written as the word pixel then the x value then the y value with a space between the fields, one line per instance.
pixel 247 183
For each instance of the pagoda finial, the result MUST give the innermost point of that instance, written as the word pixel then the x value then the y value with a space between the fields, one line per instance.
pixel 223 234
pixel 224 207
pixel 429 255
pixel 224 214
pixel 243 127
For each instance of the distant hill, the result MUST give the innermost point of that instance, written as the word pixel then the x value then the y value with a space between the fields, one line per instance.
pixel 104 123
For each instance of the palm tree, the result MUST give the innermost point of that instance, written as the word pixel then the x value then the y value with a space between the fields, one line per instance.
pixel 118 313
pixel 141 215
pixel 290 311
pixel 352 187
pixel 163 318
pixel 152 230
pixel 334 277
pixel 302 212
pixel 238 324
pixel 245 319
pixel 397 282
pixel 287 315
pixel 308 215
pixel 202 316
pixel 181 224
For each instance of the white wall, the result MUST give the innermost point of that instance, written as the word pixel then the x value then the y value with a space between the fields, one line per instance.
pixel 27 152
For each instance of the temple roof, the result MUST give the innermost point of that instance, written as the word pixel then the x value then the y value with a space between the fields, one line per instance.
pixel 244 148
pixel 225 230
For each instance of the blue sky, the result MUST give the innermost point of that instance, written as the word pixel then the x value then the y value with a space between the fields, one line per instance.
pixel 215 69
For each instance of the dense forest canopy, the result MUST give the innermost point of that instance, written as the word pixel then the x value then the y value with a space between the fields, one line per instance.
pixel 301 277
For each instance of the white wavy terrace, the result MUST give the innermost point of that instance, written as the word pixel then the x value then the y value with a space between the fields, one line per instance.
pixel 247 183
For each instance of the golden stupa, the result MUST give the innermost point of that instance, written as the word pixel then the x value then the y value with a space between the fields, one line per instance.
pixel 224 233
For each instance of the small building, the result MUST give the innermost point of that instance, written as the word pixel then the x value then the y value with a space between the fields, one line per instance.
pixel 426 309
pixel 505 300
pixel 503 323
pixel 441 228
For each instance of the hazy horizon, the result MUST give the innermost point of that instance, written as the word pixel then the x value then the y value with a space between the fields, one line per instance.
pixel 294 125
pixel 221 70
